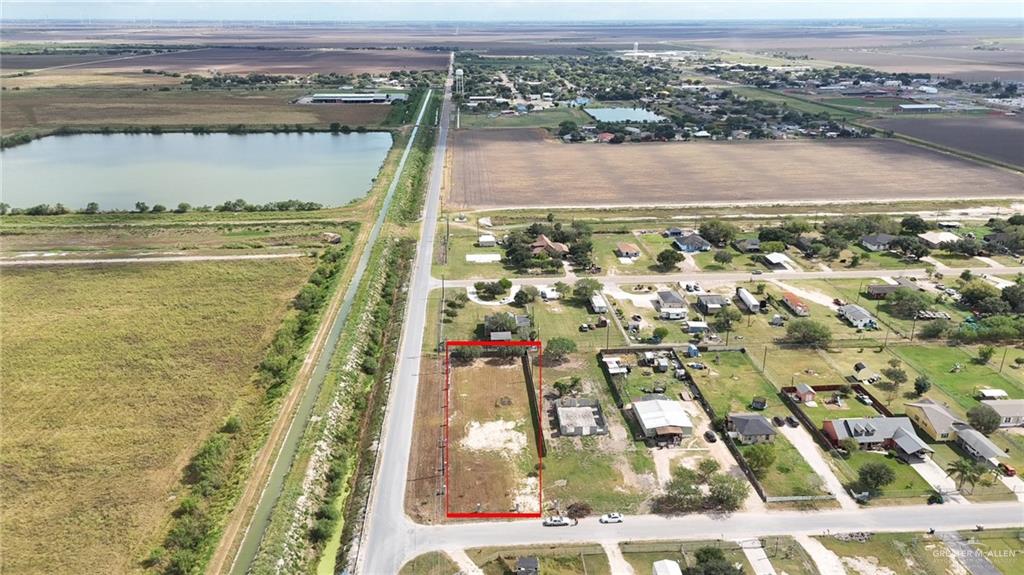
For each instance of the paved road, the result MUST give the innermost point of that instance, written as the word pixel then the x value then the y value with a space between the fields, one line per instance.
pixel 387 531
pixel 146 260
pixel 710 277
pixel 757 557
pixel 413 540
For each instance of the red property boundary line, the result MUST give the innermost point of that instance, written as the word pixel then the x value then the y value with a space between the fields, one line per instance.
pixel 540 409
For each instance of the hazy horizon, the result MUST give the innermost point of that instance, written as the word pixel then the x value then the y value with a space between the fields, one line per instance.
pixel 500 11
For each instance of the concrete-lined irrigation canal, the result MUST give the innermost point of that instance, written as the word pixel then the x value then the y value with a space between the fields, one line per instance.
pixel 268 498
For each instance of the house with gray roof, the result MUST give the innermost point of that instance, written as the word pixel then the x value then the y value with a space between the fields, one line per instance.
pixel 878 433
pixel 978 446
pixel 877 242
pixel 856 316
pixel 749 428
pixel 1011 411
pixel 691 243
pixel 934 419
pixel 711 303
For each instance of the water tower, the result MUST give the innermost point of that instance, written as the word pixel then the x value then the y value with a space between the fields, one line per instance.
pixel 460 81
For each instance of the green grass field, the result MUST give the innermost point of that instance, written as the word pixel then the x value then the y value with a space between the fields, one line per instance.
pixel 549 118
pixel 113 376
pixel 554 559
pixel 796 103
pixel 642 554
pixel 937 362
pixel 1004 548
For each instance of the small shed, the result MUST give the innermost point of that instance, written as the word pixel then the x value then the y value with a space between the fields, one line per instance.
pixel 805 392
pixel 598 303
pixel 486 241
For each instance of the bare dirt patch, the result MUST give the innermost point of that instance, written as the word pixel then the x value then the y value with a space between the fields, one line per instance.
pixel 491 455
pixel 506 168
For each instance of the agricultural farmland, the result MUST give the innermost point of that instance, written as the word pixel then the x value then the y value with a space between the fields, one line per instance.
pixel 505 168
pixel 995 137
pixel 151 361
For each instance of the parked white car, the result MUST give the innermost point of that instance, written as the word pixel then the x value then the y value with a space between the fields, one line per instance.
pixel 556 521
pixel 611 518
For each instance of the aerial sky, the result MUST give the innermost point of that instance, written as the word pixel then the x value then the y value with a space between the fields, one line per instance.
pixel 506 10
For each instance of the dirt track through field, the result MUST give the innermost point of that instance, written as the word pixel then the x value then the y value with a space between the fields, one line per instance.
pixel 514 168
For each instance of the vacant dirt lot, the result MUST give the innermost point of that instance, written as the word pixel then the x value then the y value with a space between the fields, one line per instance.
pixel 515 168
pixel 491 442
pixel 998 137
pixel 50 109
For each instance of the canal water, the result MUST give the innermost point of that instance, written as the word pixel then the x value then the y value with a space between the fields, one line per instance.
pixel 118 170
pixel 623 115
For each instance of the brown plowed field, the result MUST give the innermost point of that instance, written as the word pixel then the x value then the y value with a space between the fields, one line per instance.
pixel 515 168
pixel 998 137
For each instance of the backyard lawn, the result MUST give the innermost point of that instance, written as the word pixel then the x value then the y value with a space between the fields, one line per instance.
pixel 554 559
pixel 1003 547
pixel 937 363
pixel 642 554
pixel 434 563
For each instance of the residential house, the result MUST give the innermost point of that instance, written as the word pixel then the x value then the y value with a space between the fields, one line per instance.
pixel 747 245
pixel 662 419
pixel 598 303
pixel 486 241
pixel 978 446
pixel 776 260
pixel 1011 411
pixel 795 305
pixel 805 393
pixel 605 137
pixel 880 291
pixel 544 245
pixel 805 244
pixel 671 305
pixel 627 250
pixel 856 316
pixel 496 326
pixel 999 241
pixel 692 243
pixel 934 419
pixel 710 304
pixel 579 417
pixel 877 242
pixel 748 300
pixel 878 433
pixel 749 428
pixel 673 233
pixel 695 327
pixel 936 239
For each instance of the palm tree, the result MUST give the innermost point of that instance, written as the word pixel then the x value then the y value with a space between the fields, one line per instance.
pixel 965 471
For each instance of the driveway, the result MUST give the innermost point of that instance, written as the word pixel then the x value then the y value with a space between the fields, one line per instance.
pixel 828 563
pixel 615 559
pixel 938 479
pixel 1014 484
pixel 804 443
pixel 718 450
pixel 755 554
pixel 973 559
